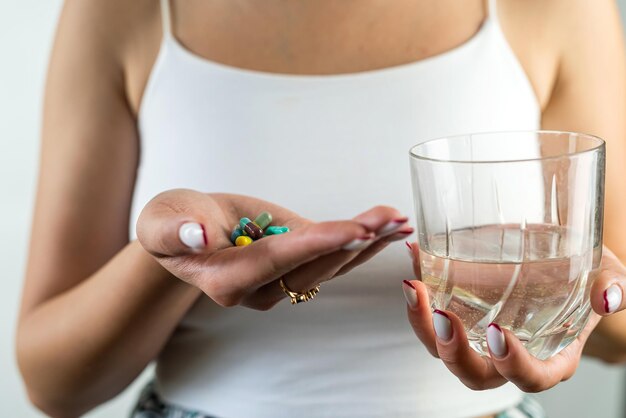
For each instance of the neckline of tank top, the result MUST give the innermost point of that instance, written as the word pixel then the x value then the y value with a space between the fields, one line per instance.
pixel 170 40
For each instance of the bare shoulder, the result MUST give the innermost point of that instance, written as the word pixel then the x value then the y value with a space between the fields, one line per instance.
pixel 559 22
pixel 572 24
pixel 547 34
pixel 589 35
pixel 565 13
pixel 120 37
pixel 109 23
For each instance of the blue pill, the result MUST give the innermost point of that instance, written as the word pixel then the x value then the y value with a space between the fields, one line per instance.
pixel 237 232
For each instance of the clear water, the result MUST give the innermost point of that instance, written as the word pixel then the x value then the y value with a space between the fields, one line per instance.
pixel 531 279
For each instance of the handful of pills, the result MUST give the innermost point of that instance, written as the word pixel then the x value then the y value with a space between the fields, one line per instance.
pixel 248 231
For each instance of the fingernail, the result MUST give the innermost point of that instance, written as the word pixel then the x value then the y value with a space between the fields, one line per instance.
pixel 443 326
pixel 409 248
pixel 495 340
pixel 409 293
pixel 359 243
pixel 192 235
pixel 391 227
pixel 612 298
pixel 401 234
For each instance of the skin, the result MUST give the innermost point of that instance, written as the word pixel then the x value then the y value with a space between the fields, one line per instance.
pixel 516 365
pixel 86 283
pixel 310 254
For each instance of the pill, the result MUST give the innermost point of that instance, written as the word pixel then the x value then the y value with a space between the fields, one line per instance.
pixel 242 241
pixel 276 230
pixel 250 228
pixel 237 232
pixel 253 230
pixel 263 220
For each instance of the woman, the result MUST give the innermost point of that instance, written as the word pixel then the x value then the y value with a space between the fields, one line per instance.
pixel 310 106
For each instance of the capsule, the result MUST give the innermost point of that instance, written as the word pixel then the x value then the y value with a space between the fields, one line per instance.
pixel 263 220
pixel 243 222
pixel 250 228
pixel 242 241
pixel 276 230
pixel 237 232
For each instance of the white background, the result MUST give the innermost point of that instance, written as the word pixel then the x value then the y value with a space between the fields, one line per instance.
pixel 26 31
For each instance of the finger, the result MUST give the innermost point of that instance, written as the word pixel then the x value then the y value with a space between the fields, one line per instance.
pixel 229 275
pixel 362 257
pixel 388 225
pixel 180 222
pixel 419 314
pixel 413 251
pixel 607 293
pixel 375 248
pixel 304 277
pixel 516 364
pixel 383 220
pixel 327 267
pixel 402 234
pixel 608 288
pixel 471 368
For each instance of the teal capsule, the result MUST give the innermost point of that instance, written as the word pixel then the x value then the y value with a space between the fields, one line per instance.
pixel 243 222
pixel 250 228
pixel 263 220
pixel 276 230
pixel 237 232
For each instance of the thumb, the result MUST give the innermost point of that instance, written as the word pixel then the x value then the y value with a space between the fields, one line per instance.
pixel 181 222
pixel 607 291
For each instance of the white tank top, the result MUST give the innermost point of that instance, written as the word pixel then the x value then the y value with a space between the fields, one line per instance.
pixel 327 147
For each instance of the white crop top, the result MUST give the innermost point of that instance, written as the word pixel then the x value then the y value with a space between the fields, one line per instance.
pixel 327 147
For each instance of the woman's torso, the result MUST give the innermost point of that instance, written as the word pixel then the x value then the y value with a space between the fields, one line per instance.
pixel 327 147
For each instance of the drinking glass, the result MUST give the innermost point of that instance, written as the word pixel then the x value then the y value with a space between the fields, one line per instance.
pixel 510 231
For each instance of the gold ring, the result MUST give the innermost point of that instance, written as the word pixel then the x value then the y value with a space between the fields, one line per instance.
pixel 299 297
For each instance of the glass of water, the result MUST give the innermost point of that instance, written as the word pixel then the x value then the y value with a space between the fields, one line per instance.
pixel 510 231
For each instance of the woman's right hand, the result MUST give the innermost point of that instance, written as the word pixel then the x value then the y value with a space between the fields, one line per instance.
pixel 188 233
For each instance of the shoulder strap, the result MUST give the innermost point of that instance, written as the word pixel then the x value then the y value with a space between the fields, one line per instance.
pixel 166 18
pixel 492 9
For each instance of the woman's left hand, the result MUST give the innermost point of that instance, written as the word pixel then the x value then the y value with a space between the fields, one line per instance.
pixel 443 335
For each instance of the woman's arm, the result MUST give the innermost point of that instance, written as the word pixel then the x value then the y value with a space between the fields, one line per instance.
pixel 587 93
pixel 95 309
pixel 590 96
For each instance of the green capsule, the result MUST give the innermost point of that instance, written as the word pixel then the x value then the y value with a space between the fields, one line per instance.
pixel 243 222
pixel 237 232
pixel 276 230
pixel 263 220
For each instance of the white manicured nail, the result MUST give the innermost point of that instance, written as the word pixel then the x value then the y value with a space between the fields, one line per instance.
pixel 495 340
pixel 391 227
pixel 409 294
pixel 443 326
pixel 192 235
pixel 612 298
pixel 358 244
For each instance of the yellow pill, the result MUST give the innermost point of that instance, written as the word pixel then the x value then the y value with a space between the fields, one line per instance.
pixel 242 241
